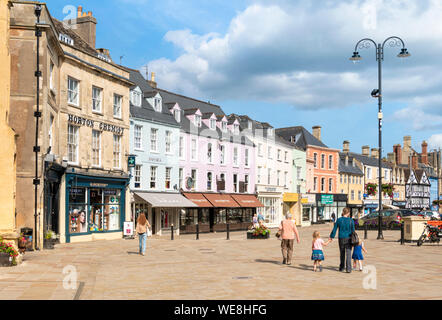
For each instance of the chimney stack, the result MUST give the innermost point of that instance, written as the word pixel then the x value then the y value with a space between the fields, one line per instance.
pixel 414 161
pixel 366 151
pixel 424 152
pixel 346 147
pixel 317 132
pixel 86 26
pixel 375 153
pixel 407 143
pixel 152 82
pixel 397 153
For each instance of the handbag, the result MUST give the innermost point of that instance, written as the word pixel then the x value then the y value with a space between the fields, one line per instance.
pixel 354 238
pixel 149 233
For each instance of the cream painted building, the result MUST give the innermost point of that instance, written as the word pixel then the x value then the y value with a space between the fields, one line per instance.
pixel 83 129
pixel 7 156
pixel 351 182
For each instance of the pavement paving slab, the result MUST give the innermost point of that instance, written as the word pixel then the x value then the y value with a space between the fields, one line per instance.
pixel 213 268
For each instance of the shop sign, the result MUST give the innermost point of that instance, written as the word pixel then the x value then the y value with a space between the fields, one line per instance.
pixel 155 159
pixel 327 199
pixel 128 228
pixel 91 124
pixel 308 198
pixel 131 161
pixel 99 185
pixel 290 197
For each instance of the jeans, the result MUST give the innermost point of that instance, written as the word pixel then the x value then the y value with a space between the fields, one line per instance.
pixel 287 249
pixel 142 239
pixel 345 251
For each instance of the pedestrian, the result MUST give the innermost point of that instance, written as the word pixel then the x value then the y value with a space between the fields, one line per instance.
pixel 333 216
pixel 142 226
pixel 317 250
pixel 260 219
pixel 288 231
pixel 346 227
pixel 255 221
pixel 357 255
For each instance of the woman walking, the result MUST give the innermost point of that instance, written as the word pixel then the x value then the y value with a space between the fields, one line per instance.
pixel 346 227
pixel 142 226
pixel 288 231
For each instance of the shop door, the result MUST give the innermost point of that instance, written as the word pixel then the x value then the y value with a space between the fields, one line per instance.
pixel 154 220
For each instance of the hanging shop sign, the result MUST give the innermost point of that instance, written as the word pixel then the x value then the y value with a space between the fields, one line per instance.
pixel 131 161
pixel 327 199
pixel 91 124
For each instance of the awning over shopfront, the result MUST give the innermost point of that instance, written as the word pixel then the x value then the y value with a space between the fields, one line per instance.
pixel 247 201
pixel 198 199
pixel 221 200
pixel 290 197
pixel 165 200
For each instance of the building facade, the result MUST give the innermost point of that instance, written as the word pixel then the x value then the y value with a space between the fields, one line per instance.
pixel 8 229
pixel 83 132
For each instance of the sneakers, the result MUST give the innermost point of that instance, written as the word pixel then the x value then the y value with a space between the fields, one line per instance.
pixel 284 261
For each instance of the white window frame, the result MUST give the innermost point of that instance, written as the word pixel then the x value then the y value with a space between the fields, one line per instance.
pixel 138 137
pixel 213 124
pixel 269 150
pixel 96 147
pixel 269 175
pixel 136 97
pixel 154 140
pixel 222 154
pixel 330 162
pixel 235 156
pixel 246 158
pixel 278 155
pixel 182 145
pixel 235 184
pixel 181 178
pixel 137 176
pixel 224 126
pixel 286 156
pixel 260 149
pixel 97 101
pixel 73 91
pixel 198 120
pixel 194 178
pixel 157 104
pixel 246 183
pixel 73 148
pixel 194 149
pixel 210 153
pixel 153 177
pixel 116 159
pixel 168 178
pixel 330 184
pixel 211 181
pixel 177 115
pixel 278 175
pixel 51 75
pixel 118 102
pixel 168 138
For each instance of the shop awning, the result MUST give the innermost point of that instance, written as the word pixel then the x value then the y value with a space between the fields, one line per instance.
pixel 165 200
pixel 290 197
pixel 198 199
pixel 247 201
pixel 221 200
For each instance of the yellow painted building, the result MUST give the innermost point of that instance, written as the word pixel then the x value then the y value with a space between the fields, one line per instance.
pixel 351 182
pixel 7 156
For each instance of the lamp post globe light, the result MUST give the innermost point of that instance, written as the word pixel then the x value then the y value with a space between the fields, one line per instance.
pixel 377 93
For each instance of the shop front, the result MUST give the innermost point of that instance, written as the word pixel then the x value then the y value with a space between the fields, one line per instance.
pixel 372 205
pixel 327 204
pixel 216 210
pixel 308 202
pixel 271 198
pixel 291 204
pixel 95 207
pixel 355 210
pixel 162 209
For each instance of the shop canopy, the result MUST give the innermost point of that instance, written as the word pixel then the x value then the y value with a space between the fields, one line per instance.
pixel 247 201
pixel 166 200
pixel 198 199
pixel 221 200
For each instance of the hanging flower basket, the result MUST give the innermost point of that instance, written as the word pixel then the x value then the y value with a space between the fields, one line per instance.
pixel 371 189
pixel 388 189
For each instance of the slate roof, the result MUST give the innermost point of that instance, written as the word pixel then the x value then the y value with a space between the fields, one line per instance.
pixel 79 43
pixel 349 168
pixel 303 137
pixel 146 111
pixel 370 161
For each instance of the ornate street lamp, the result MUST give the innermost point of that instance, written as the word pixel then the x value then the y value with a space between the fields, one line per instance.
pixel 377 93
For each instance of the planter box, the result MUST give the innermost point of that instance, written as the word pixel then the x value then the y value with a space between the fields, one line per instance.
pixel 260 236
pixel 48 244
pixel 5 260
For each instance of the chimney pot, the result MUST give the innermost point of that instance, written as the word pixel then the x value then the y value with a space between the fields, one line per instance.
pixel 366 151
pixel 346 146
pixel 374 153
pixel 79 11
pixel 152 78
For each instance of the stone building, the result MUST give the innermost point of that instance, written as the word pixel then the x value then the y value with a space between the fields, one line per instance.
pixel 84 127
pixel 8 229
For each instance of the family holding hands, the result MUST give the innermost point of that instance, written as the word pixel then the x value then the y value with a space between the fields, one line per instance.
pixel 346 228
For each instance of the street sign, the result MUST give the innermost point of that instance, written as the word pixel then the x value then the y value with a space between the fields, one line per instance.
pixel 131 161
pixel 327 199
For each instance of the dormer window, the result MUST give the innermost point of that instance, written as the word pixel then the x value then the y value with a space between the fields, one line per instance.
pixel 224 126
pixel 177 115
pixel 197 120
pixel 236 129
pixel 135 97
pixel 66 39
pixel 249 125
pixel 157 104
pixel 270 132
pixel 212 124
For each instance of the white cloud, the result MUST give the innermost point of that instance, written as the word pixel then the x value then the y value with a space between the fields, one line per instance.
pixel 297 53
pixel 435 141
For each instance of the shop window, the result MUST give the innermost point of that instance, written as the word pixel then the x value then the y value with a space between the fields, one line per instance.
pixel 165 219
pixel 78 217
pixel 221 216
pixel 105 209
pixel 189 217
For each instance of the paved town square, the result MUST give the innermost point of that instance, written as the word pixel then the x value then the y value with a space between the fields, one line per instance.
pixel 213 268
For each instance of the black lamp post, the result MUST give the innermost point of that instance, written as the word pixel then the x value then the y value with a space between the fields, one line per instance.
pixel 37 115
pixel 377 93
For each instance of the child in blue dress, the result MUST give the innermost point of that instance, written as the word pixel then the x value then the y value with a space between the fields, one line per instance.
pixel 357 255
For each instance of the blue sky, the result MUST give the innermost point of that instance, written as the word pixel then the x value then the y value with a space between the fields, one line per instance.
pixel 286 62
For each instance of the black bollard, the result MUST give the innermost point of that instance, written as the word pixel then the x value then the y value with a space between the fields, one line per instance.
pixel 171 233
pixel 365 231
pixel 197 232
pixel 228 231
pixel 402 234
